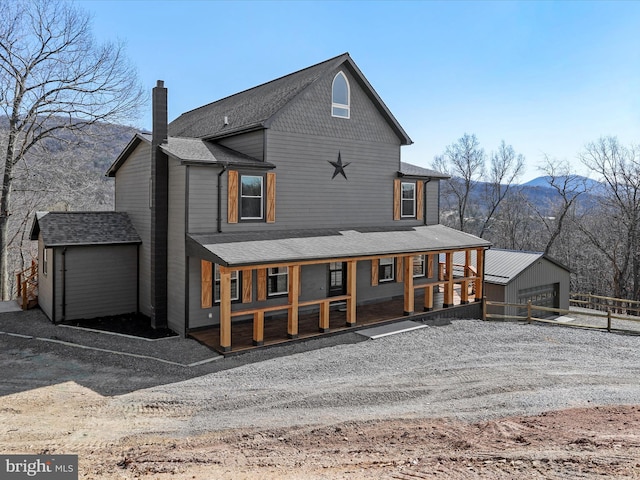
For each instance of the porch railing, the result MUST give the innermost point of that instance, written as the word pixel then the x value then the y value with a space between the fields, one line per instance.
pixel 27 285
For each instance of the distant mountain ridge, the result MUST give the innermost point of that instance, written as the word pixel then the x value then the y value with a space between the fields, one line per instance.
pixel 591 186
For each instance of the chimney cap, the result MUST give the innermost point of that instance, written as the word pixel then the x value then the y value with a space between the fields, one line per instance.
pixel 160 84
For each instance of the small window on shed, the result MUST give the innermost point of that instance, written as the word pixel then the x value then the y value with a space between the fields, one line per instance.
pixel 45 261
pixel 340 96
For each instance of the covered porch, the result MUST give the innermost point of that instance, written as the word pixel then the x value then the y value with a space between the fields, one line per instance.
pixel 440 284
pixel 276 328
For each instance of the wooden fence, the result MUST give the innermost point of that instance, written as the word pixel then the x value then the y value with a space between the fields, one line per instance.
pixel 590 317
pixel 605 304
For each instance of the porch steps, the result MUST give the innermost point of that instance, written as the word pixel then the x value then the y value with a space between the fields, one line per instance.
pixel 390 329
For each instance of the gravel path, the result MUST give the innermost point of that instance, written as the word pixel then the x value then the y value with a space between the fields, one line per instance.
pixel 469 370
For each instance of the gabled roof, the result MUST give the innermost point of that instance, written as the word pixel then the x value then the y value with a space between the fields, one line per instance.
pixel 257 107
pixel 237 250
pixel 409 170
pixel 61 229
pixel 503 266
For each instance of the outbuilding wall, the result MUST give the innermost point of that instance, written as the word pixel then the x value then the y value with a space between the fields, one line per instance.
pixel 90 282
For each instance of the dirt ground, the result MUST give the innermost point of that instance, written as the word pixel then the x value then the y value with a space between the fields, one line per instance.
pixel 361 410
pixel 598 442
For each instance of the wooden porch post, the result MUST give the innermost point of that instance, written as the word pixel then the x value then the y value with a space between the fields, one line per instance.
pixel 225 309
pixel 428 298
pixel 351 292
pixel 294 294
pixel 479 273
pixel 258 328
pixel 448 288
pixel 409 292
pixel 324 317
pixel 464 287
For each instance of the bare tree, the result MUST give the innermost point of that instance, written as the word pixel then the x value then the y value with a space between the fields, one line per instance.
pixel 568 186
pixel 514 228
pixel 615 231
pixel 464 161
pixel 506 167
pixel 54 79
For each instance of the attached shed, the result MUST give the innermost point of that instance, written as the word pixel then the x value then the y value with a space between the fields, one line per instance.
pixel 519 277
pixel 87 264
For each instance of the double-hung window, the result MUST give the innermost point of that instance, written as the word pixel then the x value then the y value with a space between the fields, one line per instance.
pixel 277 281
pixel 418 265
pixel 386 270
pixel 251 197
pixel 235 293
pixel 408 200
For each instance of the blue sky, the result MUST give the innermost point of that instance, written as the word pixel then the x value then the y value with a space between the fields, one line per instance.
pixel 547 77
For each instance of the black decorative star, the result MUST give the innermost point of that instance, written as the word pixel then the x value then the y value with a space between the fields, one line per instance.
pixel 339 167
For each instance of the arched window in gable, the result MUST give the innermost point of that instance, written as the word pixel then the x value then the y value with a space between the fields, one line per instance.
pixel 340 96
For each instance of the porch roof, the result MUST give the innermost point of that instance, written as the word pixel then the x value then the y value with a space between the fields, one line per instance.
pixel 278 247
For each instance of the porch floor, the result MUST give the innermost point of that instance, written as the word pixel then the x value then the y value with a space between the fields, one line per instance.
pixel 275 327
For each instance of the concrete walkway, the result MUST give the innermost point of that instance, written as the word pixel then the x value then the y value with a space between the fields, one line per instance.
pixel 10 306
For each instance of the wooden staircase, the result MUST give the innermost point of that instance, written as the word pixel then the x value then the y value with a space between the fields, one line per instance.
pixel 27 286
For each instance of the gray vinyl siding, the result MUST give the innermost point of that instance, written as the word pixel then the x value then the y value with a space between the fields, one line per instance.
pixel 198 317
pixel 203 204
pixel 132 197
pixel 98 281
pixel 176 262
pixel 251 144
pixel 306 195
pixel 432 202
pixel 310 115
pixel 45 282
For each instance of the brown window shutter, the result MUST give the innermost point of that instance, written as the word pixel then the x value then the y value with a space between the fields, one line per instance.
pixel 232 196
pixel 247 285
pixel 262 284
pixel 399 269
pixel 420 200
pixel 271 197
pixel 375 264
pixel 397 190
pixel 206 284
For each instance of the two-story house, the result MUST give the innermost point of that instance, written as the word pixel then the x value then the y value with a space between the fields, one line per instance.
pixel 279 200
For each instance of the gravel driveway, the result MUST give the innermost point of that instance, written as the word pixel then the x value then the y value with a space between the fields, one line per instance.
pixel 296 403
pixel 469 370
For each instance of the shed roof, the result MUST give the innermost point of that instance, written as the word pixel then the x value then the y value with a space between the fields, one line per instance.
pixel 503 266
pixel 257 107
pixel 61 229
pixel 409 170
pixel 194 151
pixel 239 250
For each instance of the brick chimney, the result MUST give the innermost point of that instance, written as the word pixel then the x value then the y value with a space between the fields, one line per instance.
pixel 159 207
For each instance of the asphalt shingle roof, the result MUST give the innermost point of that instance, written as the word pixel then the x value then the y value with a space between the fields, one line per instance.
pixel 61 229
pixel 409 170
pixel 254 108
pixel 197 150
pixel 247 109
pixel 298 246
